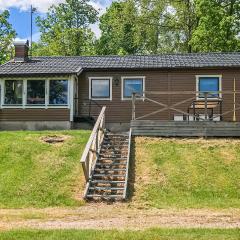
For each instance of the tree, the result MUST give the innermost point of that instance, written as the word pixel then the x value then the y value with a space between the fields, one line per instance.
pixel 66 29
pixel 147 26
pixel 7 34
pixel 219 26
pixel 118 27
pixel 167 25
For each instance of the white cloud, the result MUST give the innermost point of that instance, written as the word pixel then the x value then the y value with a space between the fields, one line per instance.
pixel 36 37
pixel 43 5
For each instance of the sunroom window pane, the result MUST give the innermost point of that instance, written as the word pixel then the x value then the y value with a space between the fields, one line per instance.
pixel 13 92
pixel 210 85
pixel 58 92
pixel 133 85
pixel 100 88
pixel 36 92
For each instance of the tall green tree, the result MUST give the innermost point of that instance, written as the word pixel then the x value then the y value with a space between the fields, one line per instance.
pixel 219 26
pixel 66 29
pixel 118 27
pixel 7 34
pixel 167 25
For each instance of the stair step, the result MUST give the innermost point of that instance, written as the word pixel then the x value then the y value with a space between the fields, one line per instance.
pixel 112 160
pixel 106 181
pixel 104 196
pixel 110 164
pixel 110 155
pixel 109 175
pixel 107 188
pixel 115 159
pixel 112 170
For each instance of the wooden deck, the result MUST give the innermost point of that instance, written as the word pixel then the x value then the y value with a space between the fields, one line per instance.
pixel 185 128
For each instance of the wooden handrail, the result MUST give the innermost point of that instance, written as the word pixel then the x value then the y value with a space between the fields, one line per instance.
pixel 91 151
pixel 128 163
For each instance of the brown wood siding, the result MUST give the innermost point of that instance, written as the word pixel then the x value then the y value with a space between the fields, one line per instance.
pixel 119 111
pixel 34 115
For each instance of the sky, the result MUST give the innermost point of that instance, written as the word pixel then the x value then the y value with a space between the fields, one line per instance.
pixel 20 14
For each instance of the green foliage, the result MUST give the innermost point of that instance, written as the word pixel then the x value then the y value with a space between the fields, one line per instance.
pixel 36 174
pixel 7 34
pixel 65 30
pixel 118 28
pixel 219 26
pixel 168 26
pixel 150 234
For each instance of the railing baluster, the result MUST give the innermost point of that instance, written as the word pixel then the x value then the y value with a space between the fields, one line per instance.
pixel 206 105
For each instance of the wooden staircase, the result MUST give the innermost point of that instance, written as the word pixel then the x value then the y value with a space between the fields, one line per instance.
pixel 109 178
pixel 105 163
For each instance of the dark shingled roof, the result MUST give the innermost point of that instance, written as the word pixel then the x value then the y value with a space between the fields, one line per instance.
pixel 74 65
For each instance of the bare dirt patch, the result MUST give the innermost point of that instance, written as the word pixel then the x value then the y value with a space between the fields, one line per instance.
pixel 54 139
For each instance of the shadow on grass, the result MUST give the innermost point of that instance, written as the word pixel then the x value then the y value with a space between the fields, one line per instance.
pixel 132 171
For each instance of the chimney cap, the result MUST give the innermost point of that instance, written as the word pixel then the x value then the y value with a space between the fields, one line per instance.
pixel 21 43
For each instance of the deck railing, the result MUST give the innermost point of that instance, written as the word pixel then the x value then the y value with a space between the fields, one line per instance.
pixel 206 98
pixel 91 152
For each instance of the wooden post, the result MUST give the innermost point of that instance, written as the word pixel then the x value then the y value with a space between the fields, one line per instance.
pixel 234 100
pixel 133 106
pixel 206 105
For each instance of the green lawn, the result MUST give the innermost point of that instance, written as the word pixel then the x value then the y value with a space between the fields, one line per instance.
pixel 153 234
pixel 37 174
pixel 187 173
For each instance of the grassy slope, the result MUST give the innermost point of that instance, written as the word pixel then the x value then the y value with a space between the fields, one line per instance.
pixel 187 173
pixel 154 234
pixel 36 174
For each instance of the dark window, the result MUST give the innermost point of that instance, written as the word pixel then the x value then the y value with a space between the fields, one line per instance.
pixel 132 85
pixel 58 92
pixel 100 88
pixel 210 85
pixel 13 92
pixel 36 92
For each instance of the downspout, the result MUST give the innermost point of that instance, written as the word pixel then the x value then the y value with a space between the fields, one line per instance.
pixel 75 99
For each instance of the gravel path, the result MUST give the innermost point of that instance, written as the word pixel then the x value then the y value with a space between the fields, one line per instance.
pixel 117 216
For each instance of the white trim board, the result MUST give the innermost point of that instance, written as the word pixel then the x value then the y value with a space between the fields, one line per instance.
pixel 214 76
pixel 131 77
pixel 24 105
pixel 90 88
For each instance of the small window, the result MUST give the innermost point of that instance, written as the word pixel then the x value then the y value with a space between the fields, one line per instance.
pixel 58 92
pixel 132 85
pixel 100 89
pixel 13 92
pixel 36 92
pixel 210 84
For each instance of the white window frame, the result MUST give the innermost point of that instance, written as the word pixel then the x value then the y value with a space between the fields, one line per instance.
pixel 209 76
pixel 90 88
pixel 47 88
pixel 129 78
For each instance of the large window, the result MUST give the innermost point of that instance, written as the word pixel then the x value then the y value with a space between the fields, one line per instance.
pixel 36 92
pixel 132 85
pixel 100 88
pixel 209 84
pixel 13 92
pixel 58 92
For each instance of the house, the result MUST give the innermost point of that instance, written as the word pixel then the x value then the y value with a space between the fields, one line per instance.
pixel 55 92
